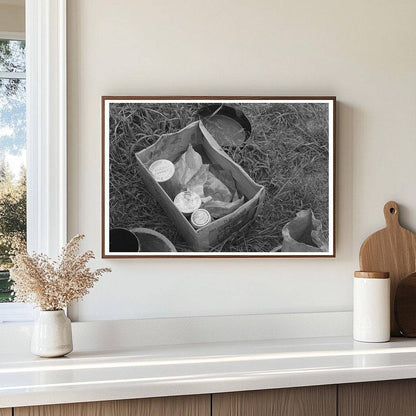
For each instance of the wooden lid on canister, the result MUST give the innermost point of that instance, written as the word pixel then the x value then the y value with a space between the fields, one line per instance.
pixel 372 275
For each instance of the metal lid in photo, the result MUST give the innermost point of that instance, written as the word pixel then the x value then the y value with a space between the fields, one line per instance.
pixel 162 170
pixel 200 218
pixel 187 202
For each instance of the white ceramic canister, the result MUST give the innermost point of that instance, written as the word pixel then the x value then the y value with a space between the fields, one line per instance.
pixel 371 313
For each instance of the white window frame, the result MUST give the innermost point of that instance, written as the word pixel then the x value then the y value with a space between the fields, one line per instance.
pixel 46 127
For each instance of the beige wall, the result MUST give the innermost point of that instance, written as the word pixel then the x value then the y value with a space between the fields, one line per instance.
pixel 361 51
pixel 12 18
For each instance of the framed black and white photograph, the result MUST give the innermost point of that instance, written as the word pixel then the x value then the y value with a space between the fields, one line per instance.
pixel 218 177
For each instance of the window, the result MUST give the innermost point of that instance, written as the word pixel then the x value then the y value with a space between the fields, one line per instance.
pixel 12 153
pixel 45 90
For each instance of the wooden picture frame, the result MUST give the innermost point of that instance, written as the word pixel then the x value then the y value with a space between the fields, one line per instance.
pixel 270 163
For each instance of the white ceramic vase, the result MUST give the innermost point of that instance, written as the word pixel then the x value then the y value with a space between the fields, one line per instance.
pixel 52 334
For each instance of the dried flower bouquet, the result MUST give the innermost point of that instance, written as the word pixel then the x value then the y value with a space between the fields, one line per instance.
pixel 53 285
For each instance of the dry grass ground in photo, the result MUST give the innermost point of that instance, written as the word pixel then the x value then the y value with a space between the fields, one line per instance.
pixel 287 153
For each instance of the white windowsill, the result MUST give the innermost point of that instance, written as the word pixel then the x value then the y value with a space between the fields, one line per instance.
pixel 16 313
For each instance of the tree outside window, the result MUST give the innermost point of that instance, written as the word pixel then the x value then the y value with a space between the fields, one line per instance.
pixel 12 156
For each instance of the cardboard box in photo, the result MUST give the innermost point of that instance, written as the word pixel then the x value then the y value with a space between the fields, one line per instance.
pixel 171 146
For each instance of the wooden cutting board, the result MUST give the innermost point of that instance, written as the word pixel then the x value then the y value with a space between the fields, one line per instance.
pixel 405 306
pixel 393 250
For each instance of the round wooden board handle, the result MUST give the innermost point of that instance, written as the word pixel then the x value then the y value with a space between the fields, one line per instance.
pixel 391 213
